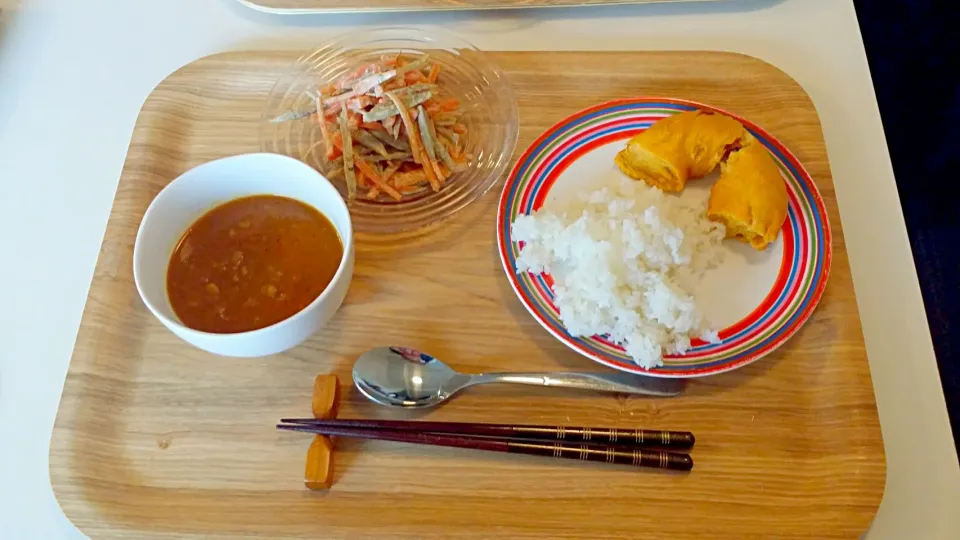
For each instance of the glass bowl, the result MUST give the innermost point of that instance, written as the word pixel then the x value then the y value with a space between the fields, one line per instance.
pixel 487 104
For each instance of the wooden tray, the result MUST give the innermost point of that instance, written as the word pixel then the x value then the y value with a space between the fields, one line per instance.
pixel 358 6
pixel 155 439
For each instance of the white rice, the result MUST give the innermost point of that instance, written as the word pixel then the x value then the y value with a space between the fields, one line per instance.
pixel 624 257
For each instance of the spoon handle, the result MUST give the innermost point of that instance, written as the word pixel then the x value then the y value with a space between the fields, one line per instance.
pixel 624 383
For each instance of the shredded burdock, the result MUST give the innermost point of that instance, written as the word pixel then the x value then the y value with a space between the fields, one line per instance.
pixel 348 163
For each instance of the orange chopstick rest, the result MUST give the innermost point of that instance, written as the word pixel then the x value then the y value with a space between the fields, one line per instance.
pixel 326 394
pixel 318 474
pixel 319 471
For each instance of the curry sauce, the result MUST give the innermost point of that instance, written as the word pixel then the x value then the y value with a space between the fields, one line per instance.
pixel 250 263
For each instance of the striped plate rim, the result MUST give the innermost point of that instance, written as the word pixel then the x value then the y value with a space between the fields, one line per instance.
pixel 806 235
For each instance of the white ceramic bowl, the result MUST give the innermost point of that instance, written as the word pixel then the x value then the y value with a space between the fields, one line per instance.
pixel 200 189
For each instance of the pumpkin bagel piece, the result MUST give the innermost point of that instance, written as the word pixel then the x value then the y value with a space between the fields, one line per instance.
pixel 749 198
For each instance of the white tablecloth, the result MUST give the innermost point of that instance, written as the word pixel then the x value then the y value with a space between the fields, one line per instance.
pixel 73 75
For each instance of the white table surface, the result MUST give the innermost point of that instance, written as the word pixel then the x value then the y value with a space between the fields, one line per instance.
pixel 73 75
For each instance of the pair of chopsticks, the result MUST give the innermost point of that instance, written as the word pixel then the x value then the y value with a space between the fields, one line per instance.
pixel 638 447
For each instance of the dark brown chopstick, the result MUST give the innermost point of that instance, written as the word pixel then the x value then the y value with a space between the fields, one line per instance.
pixel 637 438
pixel 637 456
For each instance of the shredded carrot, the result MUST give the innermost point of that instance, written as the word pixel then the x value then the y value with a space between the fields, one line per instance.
pixel 409 178
pixel 428 168
pixel 335 150
pixel 332 110
pixel 394 84
pixel 434 73
pixel 365 167
pixel 372 175
pixel 450 105
pixel 414 77
pixel 460 129
pixel 389 172
pixel 373 193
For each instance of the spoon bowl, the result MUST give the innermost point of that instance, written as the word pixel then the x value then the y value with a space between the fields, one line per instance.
pixel 408 378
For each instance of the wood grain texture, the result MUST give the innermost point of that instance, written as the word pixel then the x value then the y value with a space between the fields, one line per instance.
pixel 371 6
pixel 155 439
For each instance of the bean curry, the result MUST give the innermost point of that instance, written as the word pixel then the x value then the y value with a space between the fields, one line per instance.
pixel 250 263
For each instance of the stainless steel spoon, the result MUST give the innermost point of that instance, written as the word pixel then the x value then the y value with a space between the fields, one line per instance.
pixel 403 377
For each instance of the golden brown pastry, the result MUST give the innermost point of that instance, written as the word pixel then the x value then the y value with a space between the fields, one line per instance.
pixel 750 198
pixel 679 147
